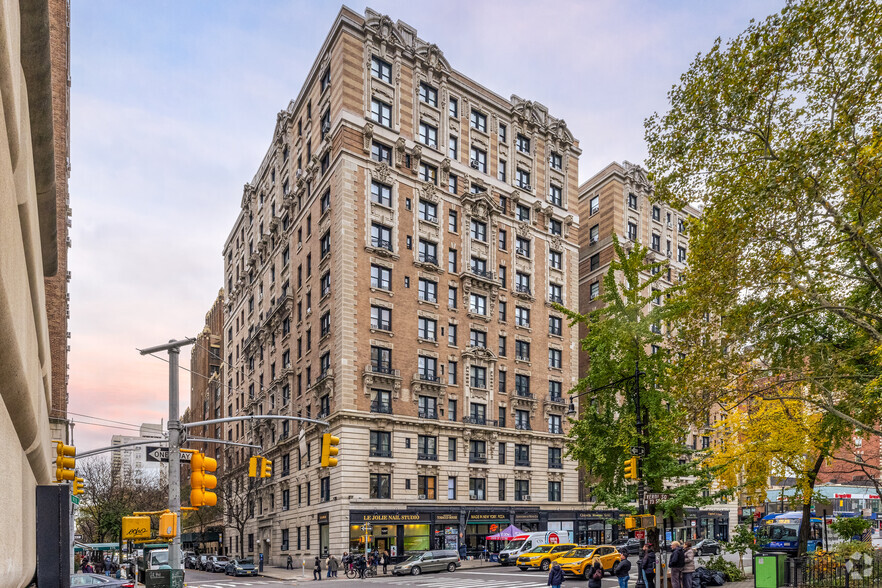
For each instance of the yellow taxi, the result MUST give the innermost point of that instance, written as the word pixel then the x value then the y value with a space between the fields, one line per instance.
pixel 578 561
pixel 542 556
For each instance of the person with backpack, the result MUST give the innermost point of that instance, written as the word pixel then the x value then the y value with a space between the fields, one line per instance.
pixel 317 569
pixel 688 565
pixel 676 564
pixel 647 566
pixel 556 576
pixel 622 570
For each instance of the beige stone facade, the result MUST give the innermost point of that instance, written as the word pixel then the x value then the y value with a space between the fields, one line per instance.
pixel 393 271
pixel 28 242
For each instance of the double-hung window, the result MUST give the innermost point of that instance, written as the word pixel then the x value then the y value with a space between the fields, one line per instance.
pixel 428 211
pixel 381 153
pixel 428 94
pixel 428 135
pixel 381 113
pixel 381 70
pixel 381 236
pixel 555 259
pixel 523 144
pixel 381 193
pixel 522 179
pixel 428 252
pixel 381 277
pixel 479 159
pixel 428 290
pixel 427 328
pixel 479 121
pixel 555 195
pixel 479 230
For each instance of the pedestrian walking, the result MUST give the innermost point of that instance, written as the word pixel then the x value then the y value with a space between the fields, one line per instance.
pixel 108 564
pixel 290 565
pixel 361 565
pixel 676 564
pixel 555 576
pixel 333 566
pixel 595 575
pixel 688 565
pixel 463 551
pixel 622 570
pixel 647 566
pixel 317 569
pixel 385 560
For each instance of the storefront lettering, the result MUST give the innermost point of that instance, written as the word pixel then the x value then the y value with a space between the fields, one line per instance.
pixel 391 517
pixel 447 517
pixel 488 517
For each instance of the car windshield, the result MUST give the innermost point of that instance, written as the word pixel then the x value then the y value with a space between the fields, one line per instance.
pixel 245 562
pixel 544 548
pixel 514 544
pixel 223 558
pixel 159 558
pixel 579 553
pixel 413 557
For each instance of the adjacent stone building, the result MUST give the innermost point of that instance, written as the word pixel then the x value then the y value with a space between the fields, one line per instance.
pixel 394 271
pixel 206 382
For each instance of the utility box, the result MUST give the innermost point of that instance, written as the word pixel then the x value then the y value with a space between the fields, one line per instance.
pixel 769 570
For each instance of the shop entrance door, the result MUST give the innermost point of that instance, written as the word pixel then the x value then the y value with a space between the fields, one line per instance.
pixel 382 543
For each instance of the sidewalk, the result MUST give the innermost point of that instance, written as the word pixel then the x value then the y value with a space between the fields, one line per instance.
pixel 295 575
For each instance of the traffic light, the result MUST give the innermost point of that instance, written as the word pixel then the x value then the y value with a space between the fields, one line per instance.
pixel 266 468
pixel 631 468
pixel 201 482
pixel 168 524
pixel 78 486
pixel 252 466
pixel 329 449
pixel 65 462
pixel 630 523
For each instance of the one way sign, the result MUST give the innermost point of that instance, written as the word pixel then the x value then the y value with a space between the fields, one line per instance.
pixel 155 453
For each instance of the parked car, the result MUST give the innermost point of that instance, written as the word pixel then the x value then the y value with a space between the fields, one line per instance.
pixel 241 567
pixel 630 546
pixel 217 563
pixel 429 561
pixel 202 561
pixel 189 559
pixel 98 580
pixel 707 547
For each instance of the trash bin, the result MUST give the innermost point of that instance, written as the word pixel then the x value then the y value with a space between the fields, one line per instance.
pixel 769 570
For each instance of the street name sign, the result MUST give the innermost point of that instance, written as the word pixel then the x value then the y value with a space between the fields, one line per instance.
pixel 156 453
pixel 656 497
pixel 638 451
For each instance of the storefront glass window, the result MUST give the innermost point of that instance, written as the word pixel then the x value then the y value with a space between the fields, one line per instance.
pixel 416 538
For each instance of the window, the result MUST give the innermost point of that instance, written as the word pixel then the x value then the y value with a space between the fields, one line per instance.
pixel 427 328
pixel 451 297
pixel 479 121
pixel 381 236
pixel 477 448
pixel 381 70
pixel 502 376
pixel 452 374
pixel 500 171
pixel 502 346
pixel 452 221
pixel 426 487
pixel 428 94
pixel 556 161
pixel 479 266
pixel 452 184
pixel 427 407
pixel 522 455
pixel 427 211
pixel 479 160
pixel 428 368
pixel 428 252
pixel 555 259
pixel 594 205
pixel 326 201
pixel 595 261
pixel 522 316
pixel 555 195
pixel 554 458
pixel 522 350
pixel 427 447
pixel 380 486
pixel 503 314
pixel 381 277
pixel 656 297
pixel 453 107
pixel 522 246
pixel 453 148
pixel 555 227
pixel 594 291
pixel 555 293
pixel 429 173
pixel 656 242
pixel 478 377
pixel 522 385
pixel 503 131
pixel 428 290
pixel 554 491
pixel 478 304
pixel 477 489
pixel 554 358
pixel 681 225
pixel 523 213
pixel 479 230
pixel 381 153
pixel 325 128
pixel 522 282
pixel 502 487
pixel 523 144
pixel 632 201
pixel 428 135
pixel 381 113
pixel 478 338
pixel 522 179
pixel 325 489
pixel 451 260
pixel 656 213
pixel 681 254
pixel 326 323
pixel 502 277
pixel 325 283
pixel 632 231
pixel 554 424
pixel 594 234
pixel 451 488
pixel 381 402
pixel 555 325
pixel 381 444
pixel 381 194
pixel 325 244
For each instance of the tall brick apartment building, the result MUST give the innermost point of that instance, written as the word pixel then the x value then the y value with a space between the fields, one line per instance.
pixel 393 271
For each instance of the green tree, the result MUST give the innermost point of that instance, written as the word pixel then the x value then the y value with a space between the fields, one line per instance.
pixel 741 540
pixel 849 527
pixel 777 136
pixel 624 330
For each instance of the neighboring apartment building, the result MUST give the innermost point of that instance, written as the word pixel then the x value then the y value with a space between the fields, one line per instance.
pixel 393 271
pixel 28 233
pixel 57 302
pixel 206 381
pixel 129 462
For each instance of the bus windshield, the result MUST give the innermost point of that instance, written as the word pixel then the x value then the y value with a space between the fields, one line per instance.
pixel 782 532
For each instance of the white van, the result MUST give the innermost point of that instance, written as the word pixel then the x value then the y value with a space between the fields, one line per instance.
pixel 526 542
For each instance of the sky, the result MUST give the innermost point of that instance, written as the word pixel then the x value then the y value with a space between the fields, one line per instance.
pixel 173 106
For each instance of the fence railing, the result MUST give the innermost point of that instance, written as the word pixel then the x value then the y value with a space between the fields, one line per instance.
pixel 829 570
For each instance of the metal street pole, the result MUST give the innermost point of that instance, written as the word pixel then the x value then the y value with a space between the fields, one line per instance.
pixel 174 441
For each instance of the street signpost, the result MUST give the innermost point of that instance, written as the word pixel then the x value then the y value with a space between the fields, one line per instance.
pixel 656 497
pixel 75 499
pixel 638 451
pixel 157 453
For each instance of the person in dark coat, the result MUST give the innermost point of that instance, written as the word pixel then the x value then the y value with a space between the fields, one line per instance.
pixel 622 570
pixel 463 551
pixel 555 576
pixel 647 566
pixel 317 569
pixel 595 575
pixel 676 563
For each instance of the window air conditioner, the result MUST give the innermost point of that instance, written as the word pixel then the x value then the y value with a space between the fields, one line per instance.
pixel 474 164
pixel 422 497
pixel 326 128
pixel 527 498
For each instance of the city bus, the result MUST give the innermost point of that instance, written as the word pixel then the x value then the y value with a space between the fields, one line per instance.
pixel 780 532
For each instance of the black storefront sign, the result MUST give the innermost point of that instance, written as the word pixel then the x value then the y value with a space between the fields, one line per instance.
pixel 391 517
pixel 447 517
pixel 323 517
pixel 491 517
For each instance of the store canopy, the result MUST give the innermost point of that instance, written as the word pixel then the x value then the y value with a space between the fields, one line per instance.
pixel 507 533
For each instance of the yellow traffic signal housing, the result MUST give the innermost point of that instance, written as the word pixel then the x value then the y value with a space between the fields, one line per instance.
pixel 78 486
pixel 168 525
pixel 65 462
pixel 631 469
pixel 201 482
pixel 135 528
pixel 252 466
pixel 630 523
pixel 329 449
pixel 647 521
pixel 266 468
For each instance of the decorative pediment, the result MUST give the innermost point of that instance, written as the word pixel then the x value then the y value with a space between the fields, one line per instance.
pixel 637 176
pixel 559 131
pixel 432 56
pixel 248 192
pixel 381 172
pixel 479 353
pixel 523 229
pixel 479 205
pixel 529 112
pixel 427 193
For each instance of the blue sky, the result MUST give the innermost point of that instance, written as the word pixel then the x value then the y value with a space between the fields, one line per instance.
pixel 173 105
